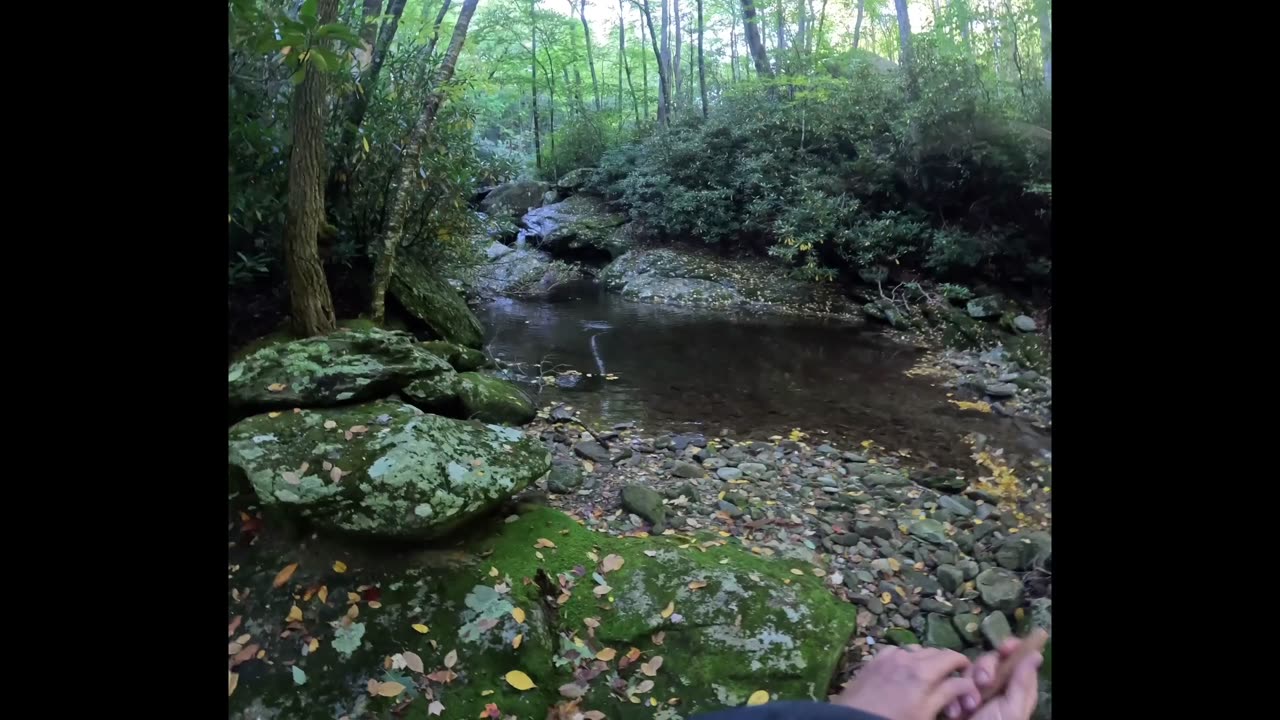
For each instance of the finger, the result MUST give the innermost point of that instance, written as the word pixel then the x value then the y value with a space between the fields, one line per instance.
pixel 983 671
pixel 953 709
pixel 912 648
pixel 1021 692
pixel 938 664
pixel 959 690
pixel 1008 646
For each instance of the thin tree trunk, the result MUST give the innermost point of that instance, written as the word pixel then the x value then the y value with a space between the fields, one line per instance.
pixel 533 72
pixel 310 304
pixel 662 53
pixel 586 35
pixel 822 21
pixel 1017 59
pixel 750 26
pixel 635 104
pixel 857 24
pixel 368 34
pixel 644 72
pixel 802 29
pixel 702 66
pixel 904 34
pixel 398 203
pixel 677 70
pixel 435 31
pixel 358 102
pixel 733 47
pixel 1046 43
pixel 622 56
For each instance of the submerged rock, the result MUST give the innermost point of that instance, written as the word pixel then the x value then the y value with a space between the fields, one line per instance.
pixel 341 367
pixel 434 302
pixel 751 625
pixel 394 471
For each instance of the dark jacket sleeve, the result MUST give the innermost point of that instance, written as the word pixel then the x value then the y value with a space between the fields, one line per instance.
pixel 790 710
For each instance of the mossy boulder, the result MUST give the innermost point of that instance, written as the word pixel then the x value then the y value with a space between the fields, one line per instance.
pixel 430 299
pixel 461 358
pixel 750 625
pixel 394 470
pixel 581 223
pixel 573 180
pixel 342 367
pixel 492 400
pixel 514 199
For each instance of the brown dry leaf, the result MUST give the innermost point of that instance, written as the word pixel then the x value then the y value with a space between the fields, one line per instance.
pixel 413 661
pixel 594 558
pixel 645 686
pixel 276 387
pixel 633 654
pixel 336 473
pixel 245 655
pixel 389 689
pixel 283 576
pixel 697 585
pixel 372 686
pixel 651 668
pixel 659 637
pixel 323 594
pixel 358 429
pixel 295 614
pixel 451 658
pixel 607 654
pixel 538 554
pixel 243 640
pixel 442 676
pixel 591 622
pixel 329 425
pixel 234 647
pixel 232 680
pixel 543 542
pixel 601 590
pixel 572 690
pixel 515 641
pixel 353 612
pixel 233 625
pixel 352 597
pixel 611 563
pixel 518 614
pixel 593 715
pixel 375 604
pixel 670 608
pixel 564 598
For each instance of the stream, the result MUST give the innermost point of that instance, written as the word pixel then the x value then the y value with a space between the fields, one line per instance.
pixel 701 370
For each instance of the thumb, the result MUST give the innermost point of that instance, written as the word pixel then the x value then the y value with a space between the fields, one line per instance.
pixel 1021 693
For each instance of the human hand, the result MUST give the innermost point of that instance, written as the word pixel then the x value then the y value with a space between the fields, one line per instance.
pixel 912 684
pixel 1018 698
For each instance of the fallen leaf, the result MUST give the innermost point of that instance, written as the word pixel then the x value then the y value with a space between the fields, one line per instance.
pixel 644 686
pixel 758 697
pixel 659 637
pixel 564 598
pixel 323 594
pixel 313 645
pixel 389 689
pixel 591 622
pixel 670 608
pixel 601 590
pixel 518 614
pixel 420 628
pixel 413 661
pixel 588 465
pixel 233 679
pixel 233 625
pixel 796 571
pixel 283 576
pixel 864 618
pixel 375 604
pixel 593 715
pixel 336 473
pixel 299 676
pixel 295 614
pixel 491 711
pixel 697 585
pixel 650 553
pixel 329 425
pixel 493 572
pixel 607 654
pixel 611 563
pixel 443 676
pixel 358 429
pixel 543 542
pixel 339 566
pixel 515 641
pixel 243 639
pixel 886 598
pixel 651 668
pixel 894 565
pixel 572 690
pixel 234 647
pixel 539 555
pixel 435 708
pixel 353 612
pixel 352 597
pixel 486 693
pixel 633 654
pixel 276 387
pixel 245 655
pixel 518 680
pixel 451 658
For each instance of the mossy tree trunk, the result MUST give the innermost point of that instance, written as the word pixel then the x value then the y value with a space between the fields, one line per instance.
pixel 751 26
pixel 310 304
pixel 401 190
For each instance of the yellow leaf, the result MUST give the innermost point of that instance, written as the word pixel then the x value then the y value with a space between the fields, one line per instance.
pixel 894 565
pixel 798 571
pixel 365 140
pixel 486 693
pixel 518 614
pixel 232 680
pixel 339 567
pixel 543 542
pixel 274 414
pixel 375 604
pixel 980 406
pixel 519 680
pixel 588 465
pixel 515 641
pixel 670 608
pixel 390 689
pixel 315 645
pixel 324 594
pixel 758 697
pixel 493 572
pixel 276 387
pixel 886 598
pixel 283 576
pixel 607 654
pixel 421 628
pixel 295 614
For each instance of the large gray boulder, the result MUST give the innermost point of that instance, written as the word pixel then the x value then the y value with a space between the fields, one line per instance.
pixel 581 222
pixel 514 199
pixel 430 299
pixel 384 469
pixel 342 367
pixel 573 180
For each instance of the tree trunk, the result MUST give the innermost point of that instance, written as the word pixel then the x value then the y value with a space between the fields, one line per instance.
pixel 1046 43
pixel 779 52
pixel 751 27
pixel 822 21
pixel 586 35
pixel 622 56
pixel 733 47
pixel 857 24
pixel 662 53
pixel 398 203
pixel 368 34
pixel 904 34
pixel 310 304
pixel 802 29
pixel 533 72
pixel 626 65
pixel 358 101
pixel 677 71
pixel 644 70
pixel 702 67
